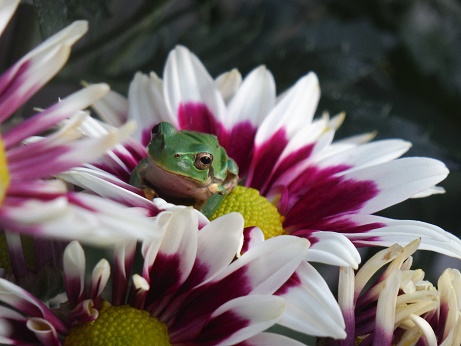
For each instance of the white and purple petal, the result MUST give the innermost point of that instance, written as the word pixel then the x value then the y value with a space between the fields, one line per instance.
pixel 191 95
pixel 306 291
pixel 44 120
pixel 147 105
pixel 29 74
pixel 23 301
pixel 240 319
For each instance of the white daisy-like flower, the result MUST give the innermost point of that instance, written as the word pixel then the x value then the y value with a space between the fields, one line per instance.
pixel 323 190
pixel 31 202
pixel 191 290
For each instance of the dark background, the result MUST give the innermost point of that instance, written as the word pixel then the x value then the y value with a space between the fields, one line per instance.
pixel 393 66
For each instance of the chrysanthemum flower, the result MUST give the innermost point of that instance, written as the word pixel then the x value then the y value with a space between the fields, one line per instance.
pixel 399 307
pixel 31 202
pixel 191 291
pixel 320 188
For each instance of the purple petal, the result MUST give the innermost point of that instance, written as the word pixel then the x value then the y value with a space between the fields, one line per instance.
pixel 319 194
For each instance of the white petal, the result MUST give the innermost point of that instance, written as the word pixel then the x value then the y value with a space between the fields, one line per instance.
pixel 434 190
pixel 426 328
pixel 334 249
pixel 399 180
pixel 187 80
pixel 271 339
pixel 228 83
pixel 99 278
pixel 385 310
pixel 106 185
pixel 26 303
pixel 224 233
pixel 74 271
pixel 260 312
pixel 44 331
pixel 306 299
pixel 180 239
pixel 51 116
pixel 147 104
pixel 112 108
pixel 270 263
pixel 254 99
pixel 368 154
pixel 346 302
pixel 433 238
pixel 37 67
pixel 7 9
pixel 295 110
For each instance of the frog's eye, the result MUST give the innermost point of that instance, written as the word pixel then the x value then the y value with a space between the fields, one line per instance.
pixel 155 131
pixel 203 160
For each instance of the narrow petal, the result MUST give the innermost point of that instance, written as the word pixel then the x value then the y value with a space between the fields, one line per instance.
pixel 224 233
pixel 89 219
pixel 346 302
pixel 29 74
pixel 22 300
pixel 254 99
pixel 147 105
pixel 304 293
pixel 7 10
pixel 381 231
pixel 108 186
pixel 368 154
pixel 322 193
pixel 123 261
pixel 293 112
pixel 426 328
pixel 44 331
pixel 399 180
pixel 385 312
pixel 270 339
pixel 228 84
pixel 241 319
pixel 74 272
pixel 64 156
pixel 262 270
pixel 112 108
pixel 51 116
pixel 190 93
pixel 99 278
pixel 334 249
pixel 175 257
pixel 270 263
pixel 298 105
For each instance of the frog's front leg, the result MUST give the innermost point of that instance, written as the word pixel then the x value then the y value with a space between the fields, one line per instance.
pixel 209 207
pixel 137 180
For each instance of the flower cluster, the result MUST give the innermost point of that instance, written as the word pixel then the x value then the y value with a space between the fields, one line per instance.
pixel 249 189
pixel 399 306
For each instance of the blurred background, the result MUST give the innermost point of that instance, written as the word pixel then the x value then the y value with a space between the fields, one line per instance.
pixel 393 66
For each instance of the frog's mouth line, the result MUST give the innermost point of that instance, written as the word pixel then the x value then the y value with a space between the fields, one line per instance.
pixel 180 186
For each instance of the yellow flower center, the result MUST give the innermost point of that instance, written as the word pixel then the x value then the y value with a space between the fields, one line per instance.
pixel 4 175
pixel 120 326
pixel 256 210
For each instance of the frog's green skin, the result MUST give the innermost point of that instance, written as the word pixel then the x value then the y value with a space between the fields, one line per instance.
pixel 185 167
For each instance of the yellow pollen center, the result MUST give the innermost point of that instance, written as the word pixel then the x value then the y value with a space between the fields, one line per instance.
pixel 256 210
pixel 4 175
pixel 120 326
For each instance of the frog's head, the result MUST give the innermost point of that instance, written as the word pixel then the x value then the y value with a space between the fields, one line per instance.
pixel 193 155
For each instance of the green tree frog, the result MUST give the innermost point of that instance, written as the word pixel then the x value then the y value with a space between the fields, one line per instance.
pixel 185 167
